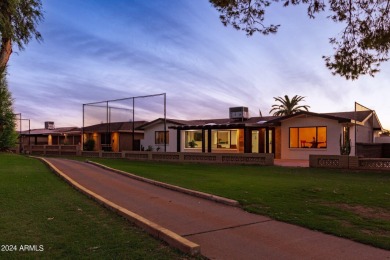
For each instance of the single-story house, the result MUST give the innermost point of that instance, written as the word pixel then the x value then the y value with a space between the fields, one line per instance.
pixel 154 134
pixel 306 133
pixel 288 137
pixel 116 136
pixel 236 134
pixel 58 136
pixel 228 135
pixel 50 135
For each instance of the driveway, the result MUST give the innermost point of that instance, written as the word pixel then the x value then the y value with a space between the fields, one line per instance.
pixel 223 232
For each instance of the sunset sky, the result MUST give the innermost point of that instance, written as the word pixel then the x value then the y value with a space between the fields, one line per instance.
pixel 96 50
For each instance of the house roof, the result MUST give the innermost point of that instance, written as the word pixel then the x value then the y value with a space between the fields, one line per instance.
pixel 56 131
pixel 362 116
pixel 332 116
pixel 114 127
pixel 225 123
pixel 342 117
pixel 359 116
pixel 161 120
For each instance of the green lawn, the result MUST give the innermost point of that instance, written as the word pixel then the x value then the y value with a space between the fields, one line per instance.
pixel 40 210
pixel 350 204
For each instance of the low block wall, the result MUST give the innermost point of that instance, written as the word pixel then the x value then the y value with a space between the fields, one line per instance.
pixel 67 150
pixel 331 161
pixel 225 158
pixel 90 154
pixel 348 162
pixel 374 163
pixel 236 158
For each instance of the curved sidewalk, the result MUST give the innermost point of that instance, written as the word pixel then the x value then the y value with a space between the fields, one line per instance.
pixel 223 232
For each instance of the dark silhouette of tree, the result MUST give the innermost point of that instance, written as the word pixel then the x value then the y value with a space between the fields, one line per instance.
pixel 18 21
pixel 360 48
pixel 8 135
pixel 287 106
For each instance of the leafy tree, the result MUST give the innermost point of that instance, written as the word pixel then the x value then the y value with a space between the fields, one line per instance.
pixel 360 48
pixel 89 145
pixel 8 135
pixel 287 106
pixel 18 21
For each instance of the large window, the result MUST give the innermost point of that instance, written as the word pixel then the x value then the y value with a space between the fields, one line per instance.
pixel 193 139
pixel 159 137
pixel 225 139
pixel 308 137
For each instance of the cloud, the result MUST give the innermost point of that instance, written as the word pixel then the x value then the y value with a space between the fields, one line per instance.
pixel 101 50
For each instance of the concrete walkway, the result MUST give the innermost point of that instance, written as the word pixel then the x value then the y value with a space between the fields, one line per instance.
pixel 223 232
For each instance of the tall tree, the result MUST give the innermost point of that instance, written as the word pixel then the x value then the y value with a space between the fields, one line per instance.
pixel 287 106
pixel 18 22
pixel 361 46
pixel 8 135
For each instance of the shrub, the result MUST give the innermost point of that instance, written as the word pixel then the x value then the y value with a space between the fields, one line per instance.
pixel 89 145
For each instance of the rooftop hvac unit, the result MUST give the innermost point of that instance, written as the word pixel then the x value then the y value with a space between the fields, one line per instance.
pixel 238 113
pixel 49 125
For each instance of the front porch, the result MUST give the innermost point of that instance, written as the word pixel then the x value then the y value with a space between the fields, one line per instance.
pixel 228 138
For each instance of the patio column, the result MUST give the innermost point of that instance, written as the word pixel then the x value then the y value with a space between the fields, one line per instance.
pixel 178 140
pixel 247 140
pixel 267 140
pixel 203 141
pixel 209 140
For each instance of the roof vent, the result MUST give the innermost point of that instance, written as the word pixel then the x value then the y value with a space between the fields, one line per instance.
pixel 238 113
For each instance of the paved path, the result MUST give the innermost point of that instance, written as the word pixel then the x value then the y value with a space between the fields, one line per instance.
pixel 223 232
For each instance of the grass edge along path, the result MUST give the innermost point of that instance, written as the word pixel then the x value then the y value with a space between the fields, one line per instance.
pixel 350 204
pixel 42 216
pixel 173 239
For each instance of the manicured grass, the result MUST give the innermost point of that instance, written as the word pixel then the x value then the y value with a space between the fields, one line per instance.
pixel 38 208
pixel 350 204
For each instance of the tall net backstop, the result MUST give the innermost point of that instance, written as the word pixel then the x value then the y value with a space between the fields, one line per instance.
pixel 106 121
pixel 22 127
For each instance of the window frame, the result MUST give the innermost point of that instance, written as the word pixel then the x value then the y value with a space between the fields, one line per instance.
pixel 157 137
pixel 197 138
pixel 316 136
pixel 216 142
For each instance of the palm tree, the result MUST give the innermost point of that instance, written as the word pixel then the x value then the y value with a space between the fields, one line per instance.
pixel 287 106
